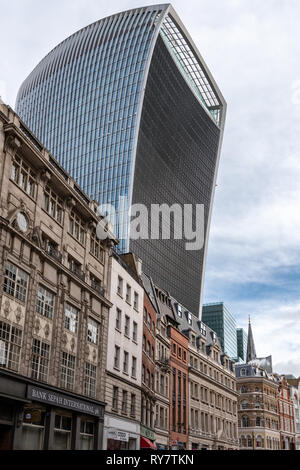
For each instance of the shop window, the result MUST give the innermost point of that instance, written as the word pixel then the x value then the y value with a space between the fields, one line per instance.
pixel 87 435
pixel 33 428
pixel 62 432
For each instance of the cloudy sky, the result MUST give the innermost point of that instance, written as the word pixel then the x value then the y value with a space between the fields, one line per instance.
pixel 253 49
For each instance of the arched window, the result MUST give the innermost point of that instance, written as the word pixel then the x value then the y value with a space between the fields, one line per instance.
pixel 244 405
pixel 249 441
pixel 244 389
pixel 258 421
pixel 243 441
pixel 259 441
pixel 245 422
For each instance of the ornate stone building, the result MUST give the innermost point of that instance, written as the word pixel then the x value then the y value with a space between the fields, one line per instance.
pixel 54 304
pixel 257 408
pixel 258 401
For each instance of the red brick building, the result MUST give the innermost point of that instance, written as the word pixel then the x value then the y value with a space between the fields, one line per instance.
pixel 286 415
pixel 179 402
pixel 148 374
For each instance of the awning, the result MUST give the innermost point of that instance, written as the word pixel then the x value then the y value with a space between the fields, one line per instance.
pixel 147 444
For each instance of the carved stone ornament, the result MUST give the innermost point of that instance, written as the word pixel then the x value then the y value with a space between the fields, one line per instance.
pixel 47 330
pixel 45 176
pixel 37 325
pixel 94 355
pixel 21 219
pixel 64 339
pixel 18 314
pixel 73 344
pixel 12 144
pixel 87 350
pixel 36 236
pixel 92 225
pixel 71 203
pixel 6 309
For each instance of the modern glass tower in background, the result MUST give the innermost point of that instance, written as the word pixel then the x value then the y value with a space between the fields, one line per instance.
pixel 242 341
pixel 129 108
pixel 220 319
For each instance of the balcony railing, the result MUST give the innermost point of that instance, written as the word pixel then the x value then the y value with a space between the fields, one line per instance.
pixel 163 362
pixel 53 252
pixel 96 286
pixel 77 271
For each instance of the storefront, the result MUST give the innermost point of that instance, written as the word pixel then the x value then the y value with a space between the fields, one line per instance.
pixel 147 438
pixel 121 434
pixel 178 445
pixel 34 416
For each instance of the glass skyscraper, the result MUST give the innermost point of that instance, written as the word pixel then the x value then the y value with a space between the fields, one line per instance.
pixel 220 319
pixel 242 340
pixel 129 108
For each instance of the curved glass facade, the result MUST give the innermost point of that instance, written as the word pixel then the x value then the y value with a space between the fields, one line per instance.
pixel 108 103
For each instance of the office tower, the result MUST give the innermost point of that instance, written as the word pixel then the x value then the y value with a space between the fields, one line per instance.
pixel 242 341
pixel 129 108
pixel 220 319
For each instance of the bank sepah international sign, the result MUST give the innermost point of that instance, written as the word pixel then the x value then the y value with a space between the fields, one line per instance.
pixel 54 398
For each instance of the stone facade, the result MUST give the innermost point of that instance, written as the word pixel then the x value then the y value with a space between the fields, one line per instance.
pixel 257 409
pixel 213 395
pixel 54 304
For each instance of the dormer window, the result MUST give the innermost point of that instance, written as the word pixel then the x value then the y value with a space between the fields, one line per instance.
pixel 190 321
pixel 179 311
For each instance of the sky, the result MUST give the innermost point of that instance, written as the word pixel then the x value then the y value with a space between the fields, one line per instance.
pixel 252 49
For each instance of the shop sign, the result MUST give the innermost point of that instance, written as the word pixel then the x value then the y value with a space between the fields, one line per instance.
pixel 118 435
pixel 145 432
pixel 58 399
